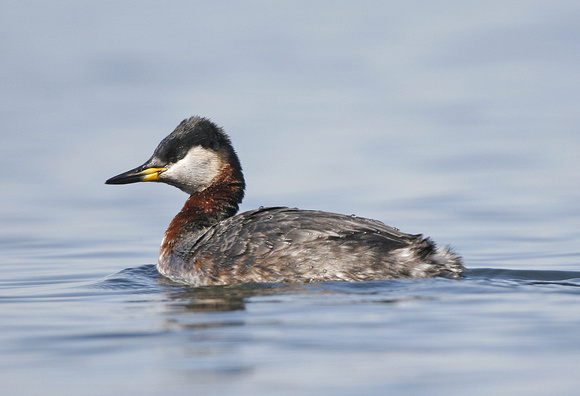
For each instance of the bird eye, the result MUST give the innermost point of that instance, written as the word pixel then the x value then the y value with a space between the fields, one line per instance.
pixel 172 158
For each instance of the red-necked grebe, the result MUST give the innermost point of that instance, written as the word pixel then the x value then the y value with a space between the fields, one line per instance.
pixel 208 244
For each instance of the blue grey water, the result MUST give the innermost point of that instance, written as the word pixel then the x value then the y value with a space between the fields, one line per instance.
pixel 455 119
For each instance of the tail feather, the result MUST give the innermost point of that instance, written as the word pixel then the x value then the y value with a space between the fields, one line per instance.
pixel 450 263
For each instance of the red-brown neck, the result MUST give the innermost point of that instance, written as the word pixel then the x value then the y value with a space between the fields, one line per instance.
pixel 203 209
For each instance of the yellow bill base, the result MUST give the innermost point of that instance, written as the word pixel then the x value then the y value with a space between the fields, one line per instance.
pixel 151 174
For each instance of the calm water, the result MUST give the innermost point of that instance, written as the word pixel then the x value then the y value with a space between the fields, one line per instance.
pixel 455 120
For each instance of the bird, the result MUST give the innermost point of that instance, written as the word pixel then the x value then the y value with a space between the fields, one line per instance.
pixel 208 243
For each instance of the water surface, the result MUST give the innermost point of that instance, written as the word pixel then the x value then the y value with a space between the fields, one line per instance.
pixel 454 120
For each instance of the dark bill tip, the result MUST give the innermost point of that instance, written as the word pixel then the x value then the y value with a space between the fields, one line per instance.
pixel 125 178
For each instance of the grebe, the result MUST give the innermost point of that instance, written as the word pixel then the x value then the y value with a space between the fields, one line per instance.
pixel 208 244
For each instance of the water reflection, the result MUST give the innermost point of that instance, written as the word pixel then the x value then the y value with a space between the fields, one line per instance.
pixel 179 301
pixel 221 298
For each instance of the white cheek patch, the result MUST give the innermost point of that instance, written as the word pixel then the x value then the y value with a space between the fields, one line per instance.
pixel 195 171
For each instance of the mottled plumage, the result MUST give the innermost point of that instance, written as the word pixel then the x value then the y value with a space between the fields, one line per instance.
pixel 207 244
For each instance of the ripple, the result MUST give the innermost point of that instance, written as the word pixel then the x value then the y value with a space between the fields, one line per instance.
pixel 143 279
